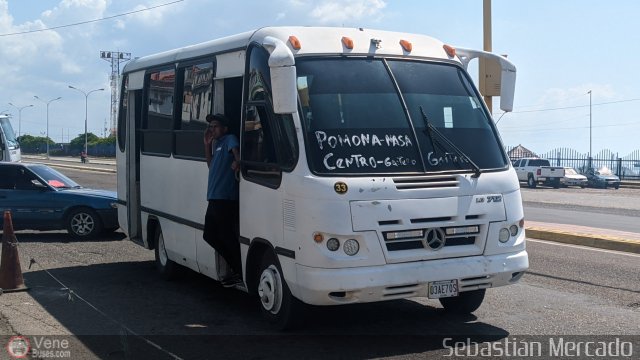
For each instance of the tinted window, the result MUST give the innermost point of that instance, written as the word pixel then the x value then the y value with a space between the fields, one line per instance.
pixel 53 177
pixel 539 162
pixel 451 105
pixel 196 103
pixel 355 121
pixel 269 143
pixel 122 113
pixel 158 125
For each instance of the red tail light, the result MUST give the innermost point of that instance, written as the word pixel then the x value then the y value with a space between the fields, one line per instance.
pixel 538 172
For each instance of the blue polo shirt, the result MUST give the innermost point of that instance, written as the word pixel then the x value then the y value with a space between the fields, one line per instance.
pixel 222 182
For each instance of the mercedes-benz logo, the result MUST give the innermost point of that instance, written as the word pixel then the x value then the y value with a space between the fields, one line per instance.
pixel 435 238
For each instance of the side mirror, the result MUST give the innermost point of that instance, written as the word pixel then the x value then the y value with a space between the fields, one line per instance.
pixel 283 90
pixel 507 81
pixel 283 76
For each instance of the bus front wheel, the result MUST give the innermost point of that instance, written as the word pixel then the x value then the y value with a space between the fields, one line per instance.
pixel 278 305
pixel 464 303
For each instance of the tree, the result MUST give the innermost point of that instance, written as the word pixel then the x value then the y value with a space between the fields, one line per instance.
pixel 33 144
pixel 78 142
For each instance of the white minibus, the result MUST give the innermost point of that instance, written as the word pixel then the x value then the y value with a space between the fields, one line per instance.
pixel 371 168
pixel 9 146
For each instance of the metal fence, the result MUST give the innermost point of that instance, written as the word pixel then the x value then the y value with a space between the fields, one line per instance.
pixel 626 167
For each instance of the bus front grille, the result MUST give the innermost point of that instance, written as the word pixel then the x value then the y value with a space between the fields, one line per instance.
pixel 426 182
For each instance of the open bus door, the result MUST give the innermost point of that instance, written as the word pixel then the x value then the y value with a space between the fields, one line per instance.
pixel 128 157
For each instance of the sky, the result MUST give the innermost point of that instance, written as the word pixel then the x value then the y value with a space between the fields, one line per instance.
pixel 562 50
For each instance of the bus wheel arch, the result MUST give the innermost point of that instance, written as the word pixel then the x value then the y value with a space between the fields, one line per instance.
pixel 278 306
pixel 257 249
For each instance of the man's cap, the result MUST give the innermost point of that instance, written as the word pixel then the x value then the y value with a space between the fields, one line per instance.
pixel 219 118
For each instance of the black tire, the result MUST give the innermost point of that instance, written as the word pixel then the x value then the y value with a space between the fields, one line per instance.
pixel 281 309
pixel 109 230
pixel 83 223
pixel 531 182
pixel 465 303
pixel 556 184
pixel 616 187
pixel 168 269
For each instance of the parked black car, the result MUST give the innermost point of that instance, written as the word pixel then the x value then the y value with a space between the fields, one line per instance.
pixel 41 198
pixel 602 178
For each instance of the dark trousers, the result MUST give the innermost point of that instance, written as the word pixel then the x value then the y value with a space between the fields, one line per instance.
pixel 220 231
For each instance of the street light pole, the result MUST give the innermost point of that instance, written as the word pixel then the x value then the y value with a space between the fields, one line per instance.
pixel 20 116
pixel 47 102
pixel 590 137
pixel 86 100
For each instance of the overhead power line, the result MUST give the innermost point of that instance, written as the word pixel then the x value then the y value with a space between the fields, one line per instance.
pixel 91 21
pixel 573 107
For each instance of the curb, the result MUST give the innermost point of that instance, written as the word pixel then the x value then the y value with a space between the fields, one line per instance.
pixel 596 241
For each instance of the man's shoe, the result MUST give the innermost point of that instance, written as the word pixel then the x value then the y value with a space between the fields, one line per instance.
pixel 232 280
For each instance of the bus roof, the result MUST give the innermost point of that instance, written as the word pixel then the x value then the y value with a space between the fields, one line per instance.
pixel 312 40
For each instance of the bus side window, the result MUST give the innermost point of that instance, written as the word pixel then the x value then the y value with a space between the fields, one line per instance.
pixel 259 139
pixel 7 177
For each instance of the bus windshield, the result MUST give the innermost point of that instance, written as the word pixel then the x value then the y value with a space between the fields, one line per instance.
pixel 355 120
pixel 10 136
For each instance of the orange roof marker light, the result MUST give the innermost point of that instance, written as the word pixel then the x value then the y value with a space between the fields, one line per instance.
pixel 450 50
pixel 295 43
pixel 406 45
pixel 347 42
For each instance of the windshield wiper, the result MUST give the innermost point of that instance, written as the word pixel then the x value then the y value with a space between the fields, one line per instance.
pixel 430 130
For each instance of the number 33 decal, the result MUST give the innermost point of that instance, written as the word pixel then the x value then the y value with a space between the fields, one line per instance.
pixel 340 187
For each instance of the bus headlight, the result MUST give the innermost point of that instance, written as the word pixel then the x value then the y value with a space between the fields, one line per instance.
pixel 504 235
pixel 351 247
pixel 513 229
pixel 333 244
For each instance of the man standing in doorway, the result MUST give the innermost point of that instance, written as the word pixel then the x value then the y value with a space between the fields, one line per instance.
pixel 223 159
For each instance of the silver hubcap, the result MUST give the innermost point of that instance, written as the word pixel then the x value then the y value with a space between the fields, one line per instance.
pixel 82 224
pixel 162 252
pixel 270 289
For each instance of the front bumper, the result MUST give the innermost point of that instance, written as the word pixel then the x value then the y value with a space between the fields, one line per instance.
pixel 574 182
pixel 398 281
pixel 109 218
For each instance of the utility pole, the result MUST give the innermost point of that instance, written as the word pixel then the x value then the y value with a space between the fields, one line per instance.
pixel 86 101
pixel 115 58
pixel 486 27
pixel 590 137
pixel 47 102
pixel 20 108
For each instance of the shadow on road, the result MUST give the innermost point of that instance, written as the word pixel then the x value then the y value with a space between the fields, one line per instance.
pixel 124 310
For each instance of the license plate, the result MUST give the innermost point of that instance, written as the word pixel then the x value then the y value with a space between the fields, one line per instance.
pixel 442 289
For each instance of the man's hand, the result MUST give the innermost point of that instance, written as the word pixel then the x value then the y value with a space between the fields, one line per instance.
pixel 208 136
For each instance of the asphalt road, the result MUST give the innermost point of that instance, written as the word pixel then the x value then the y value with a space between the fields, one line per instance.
pixel 122 308
pixel 569 291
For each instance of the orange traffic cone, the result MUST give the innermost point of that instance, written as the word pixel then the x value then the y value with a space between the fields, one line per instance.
pixel 10 270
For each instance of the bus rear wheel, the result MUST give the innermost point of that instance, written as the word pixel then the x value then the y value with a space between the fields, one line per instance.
pixel 281 309
pixel 465 303
pixel 168 269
